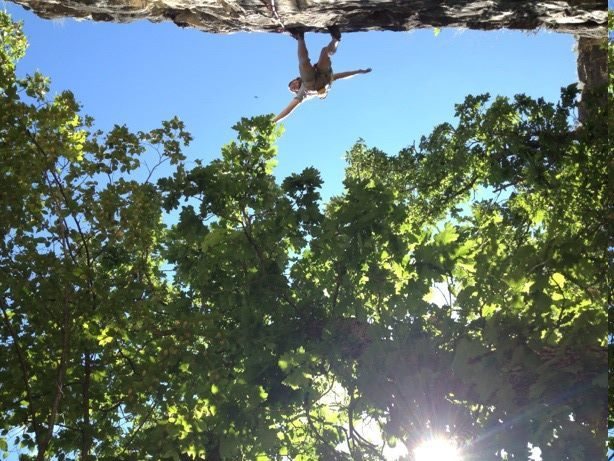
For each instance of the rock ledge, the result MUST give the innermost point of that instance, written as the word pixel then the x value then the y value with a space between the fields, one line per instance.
pixel 587 18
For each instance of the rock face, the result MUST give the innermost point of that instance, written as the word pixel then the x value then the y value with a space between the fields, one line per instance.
pixel 593 75
pixel 585 18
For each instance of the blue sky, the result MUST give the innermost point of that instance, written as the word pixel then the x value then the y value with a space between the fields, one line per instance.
pixel 141 73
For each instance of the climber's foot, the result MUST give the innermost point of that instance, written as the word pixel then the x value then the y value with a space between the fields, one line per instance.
pixel 296 33
pixel 335 32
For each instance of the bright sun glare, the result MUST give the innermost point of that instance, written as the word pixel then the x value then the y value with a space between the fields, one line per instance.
pixel 437 449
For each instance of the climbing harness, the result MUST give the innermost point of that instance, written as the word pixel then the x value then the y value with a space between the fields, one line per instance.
pixel 270 4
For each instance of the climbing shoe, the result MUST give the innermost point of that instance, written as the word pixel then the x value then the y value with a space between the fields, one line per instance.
pixel 334 32
pixel 297 34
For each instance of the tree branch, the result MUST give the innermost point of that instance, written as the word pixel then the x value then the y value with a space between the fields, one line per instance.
pixel 24 370
pixel 85 437
pixel 142 423
pixel 44 443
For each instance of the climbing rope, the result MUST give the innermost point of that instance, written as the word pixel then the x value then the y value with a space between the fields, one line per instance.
pixel 273 10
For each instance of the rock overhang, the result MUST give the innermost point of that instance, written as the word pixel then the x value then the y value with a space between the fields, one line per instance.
pixel 586 18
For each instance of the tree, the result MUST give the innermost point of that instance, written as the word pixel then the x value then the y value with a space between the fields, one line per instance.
pixel 82 293
pixel 458 288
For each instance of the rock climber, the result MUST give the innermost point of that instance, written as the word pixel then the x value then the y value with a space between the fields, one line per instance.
pixel 314 79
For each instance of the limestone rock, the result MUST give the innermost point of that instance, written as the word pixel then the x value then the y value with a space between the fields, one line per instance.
pixel 586 18
pixel 593 76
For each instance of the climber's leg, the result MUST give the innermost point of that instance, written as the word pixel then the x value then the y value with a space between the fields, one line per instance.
pixel 324 62
pixel 303 56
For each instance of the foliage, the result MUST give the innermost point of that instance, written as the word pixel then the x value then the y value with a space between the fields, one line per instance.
pixel 83 298
pixel 457 288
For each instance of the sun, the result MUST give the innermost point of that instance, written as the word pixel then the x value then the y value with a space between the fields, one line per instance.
pixel 437 449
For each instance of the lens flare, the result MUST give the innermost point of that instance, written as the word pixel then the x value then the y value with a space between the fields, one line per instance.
pixel 437 449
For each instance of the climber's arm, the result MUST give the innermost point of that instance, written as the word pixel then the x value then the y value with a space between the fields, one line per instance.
pixel 288 109
pixel 351 73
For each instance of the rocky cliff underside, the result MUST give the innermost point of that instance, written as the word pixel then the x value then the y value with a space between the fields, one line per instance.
pixel 580 17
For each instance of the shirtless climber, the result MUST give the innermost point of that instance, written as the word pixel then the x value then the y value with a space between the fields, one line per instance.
pixel 315 79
